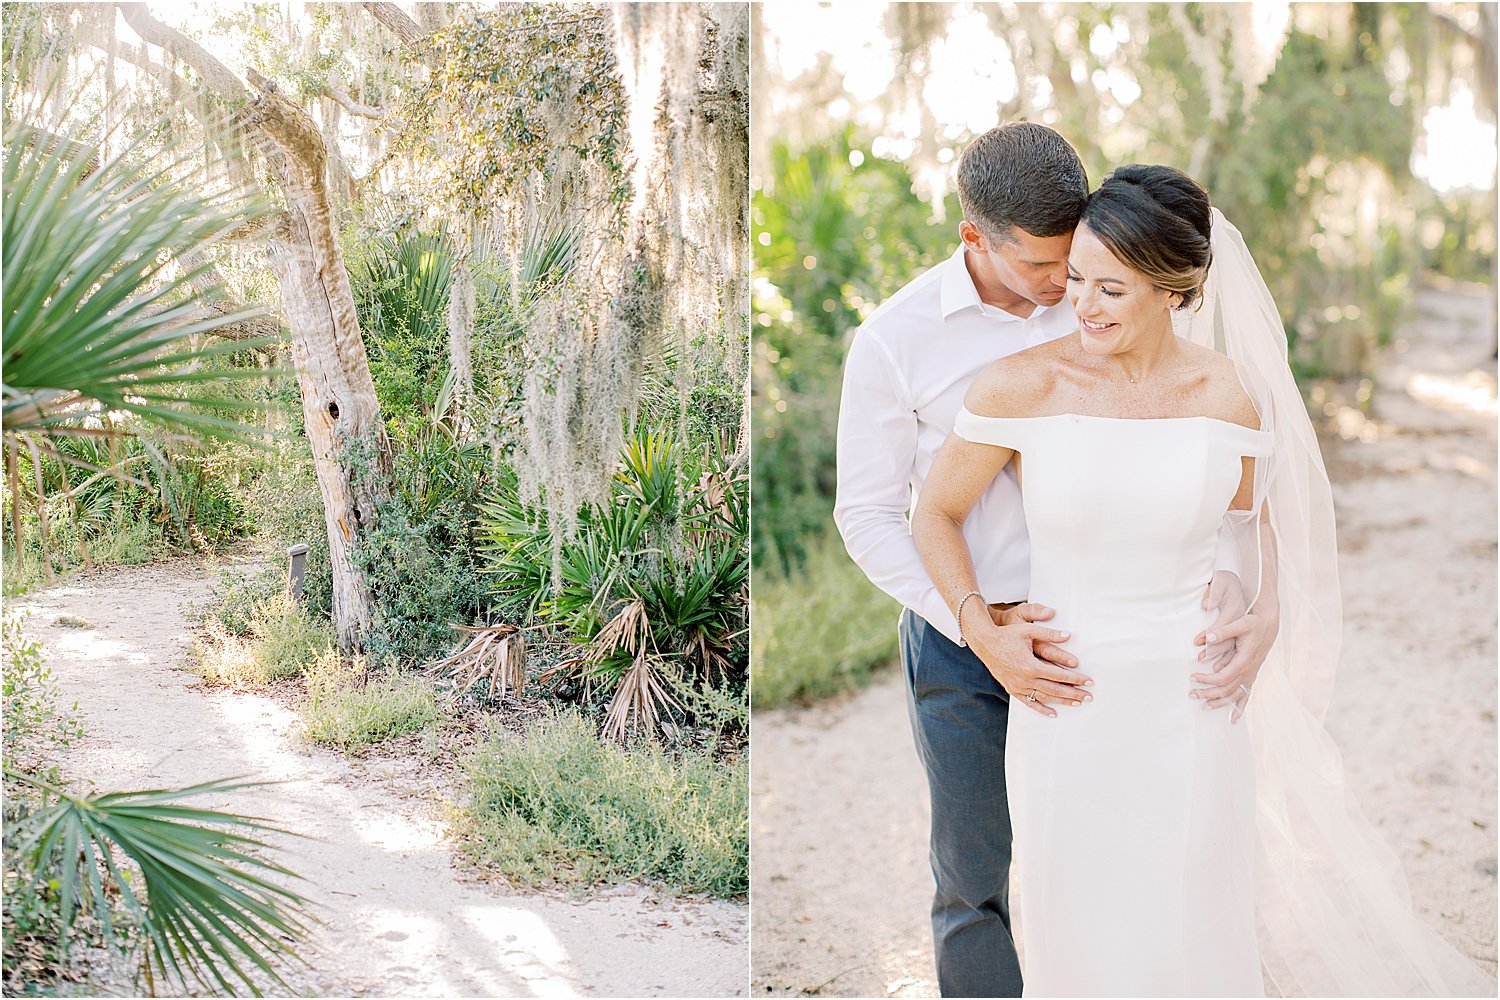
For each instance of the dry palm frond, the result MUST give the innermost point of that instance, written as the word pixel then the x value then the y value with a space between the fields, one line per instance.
pixel 711 656
pixel 493 653
pixel 639 698
pixel 640 694
pixel 563 669
pixel 628 630
pixel 713 500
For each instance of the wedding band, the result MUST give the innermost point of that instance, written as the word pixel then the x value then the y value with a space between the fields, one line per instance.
pixel 1246 690
pixel 1031 695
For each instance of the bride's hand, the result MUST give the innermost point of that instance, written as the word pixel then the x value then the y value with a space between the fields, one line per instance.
pixel 1235 646
pixel 1011 614
pixel 1025 657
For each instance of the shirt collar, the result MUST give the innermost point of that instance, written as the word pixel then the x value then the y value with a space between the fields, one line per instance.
pixel 958 292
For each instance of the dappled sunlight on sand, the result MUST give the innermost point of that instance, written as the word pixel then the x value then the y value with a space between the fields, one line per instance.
pixel 398 833
pixel 394 920
pixel 1473 391
pixel 504 951
pixel 528 949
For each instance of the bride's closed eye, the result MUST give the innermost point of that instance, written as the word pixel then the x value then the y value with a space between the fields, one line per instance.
pixel 1106 291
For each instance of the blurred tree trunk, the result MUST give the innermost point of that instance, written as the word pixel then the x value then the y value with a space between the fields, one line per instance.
pixel 340 411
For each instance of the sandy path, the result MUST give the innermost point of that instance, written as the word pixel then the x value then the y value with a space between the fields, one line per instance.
pixel 396 919
pixel 840 877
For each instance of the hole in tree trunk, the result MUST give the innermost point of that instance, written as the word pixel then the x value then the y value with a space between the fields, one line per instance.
pixel 333 411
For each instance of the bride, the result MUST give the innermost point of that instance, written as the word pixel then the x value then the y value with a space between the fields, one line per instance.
pixel 1163 849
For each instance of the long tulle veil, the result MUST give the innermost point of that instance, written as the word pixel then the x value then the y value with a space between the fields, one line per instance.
pixel 1335 915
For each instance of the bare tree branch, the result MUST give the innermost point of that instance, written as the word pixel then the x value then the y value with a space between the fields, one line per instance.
pixel 397 22
pixel 340 96
pixel 215 74
pixel 275 226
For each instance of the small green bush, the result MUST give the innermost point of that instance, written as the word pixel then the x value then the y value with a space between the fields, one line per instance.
pixel 37 726
pixel 350 708
pixel 820 630
pixel 238 598
pixel 278 640
pixel 557 804
pixel 37 729
pixel 422 583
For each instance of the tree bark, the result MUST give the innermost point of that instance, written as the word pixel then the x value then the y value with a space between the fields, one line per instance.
pixel 396 20
pixel 341 414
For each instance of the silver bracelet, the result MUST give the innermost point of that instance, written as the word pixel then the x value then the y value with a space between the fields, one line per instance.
pixel 958 615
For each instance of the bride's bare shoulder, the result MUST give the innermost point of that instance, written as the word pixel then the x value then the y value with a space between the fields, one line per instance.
pixel 1223 393
pixel 1015 386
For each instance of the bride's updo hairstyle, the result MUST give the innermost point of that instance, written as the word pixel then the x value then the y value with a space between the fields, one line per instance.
pixel 1156 221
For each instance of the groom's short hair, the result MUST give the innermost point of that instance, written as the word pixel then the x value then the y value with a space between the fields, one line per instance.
pixel 1021 174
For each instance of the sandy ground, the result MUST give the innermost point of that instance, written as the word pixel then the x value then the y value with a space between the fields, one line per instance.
pixel 839 813
pixel 396 919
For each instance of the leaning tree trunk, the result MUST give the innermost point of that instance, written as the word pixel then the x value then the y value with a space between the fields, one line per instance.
pixel 340 412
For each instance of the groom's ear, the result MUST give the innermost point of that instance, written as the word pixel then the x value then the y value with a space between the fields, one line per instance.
pixel 972 237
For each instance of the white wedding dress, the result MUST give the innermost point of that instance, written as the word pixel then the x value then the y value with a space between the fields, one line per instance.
pixel 1133 814
pixel 1160 850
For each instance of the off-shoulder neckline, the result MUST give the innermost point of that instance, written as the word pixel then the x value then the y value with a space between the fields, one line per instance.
pixel 1124 420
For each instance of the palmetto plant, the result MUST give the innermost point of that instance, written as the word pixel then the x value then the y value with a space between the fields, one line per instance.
pixel 105 266
pixel 652 585
pixel 211 913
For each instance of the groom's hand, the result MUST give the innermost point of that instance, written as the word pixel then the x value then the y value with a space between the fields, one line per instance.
pixel 1235 645
pixel 1025 658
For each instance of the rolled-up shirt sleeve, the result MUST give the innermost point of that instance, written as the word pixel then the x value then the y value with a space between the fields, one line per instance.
pixel 877 452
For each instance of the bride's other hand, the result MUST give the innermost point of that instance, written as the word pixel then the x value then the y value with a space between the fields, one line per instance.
pixel 1235 646
pixel 1013 653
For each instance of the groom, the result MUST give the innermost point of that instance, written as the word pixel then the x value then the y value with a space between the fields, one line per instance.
pixel 1022 190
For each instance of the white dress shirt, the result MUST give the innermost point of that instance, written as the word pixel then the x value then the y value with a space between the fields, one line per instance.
pixel 905 379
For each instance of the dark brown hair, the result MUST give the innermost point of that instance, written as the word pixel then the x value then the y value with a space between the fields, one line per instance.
pixel 1156 220
pixel 1021 174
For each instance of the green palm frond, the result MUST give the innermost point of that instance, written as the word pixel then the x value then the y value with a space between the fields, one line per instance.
pixel 104 264
pixel 548 255
pixel 212 911
pixel 407 279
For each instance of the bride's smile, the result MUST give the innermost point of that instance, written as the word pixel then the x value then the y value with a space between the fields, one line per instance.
pixel 1119 310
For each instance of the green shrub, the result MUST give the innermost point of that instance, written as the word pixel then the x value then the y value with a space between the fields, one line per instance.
pixel 238 598
pixel 820 630
pixel 350 707
pixel 421 583
pixel 401 280
pixel 37 729
pixel 557 804
pixel 278 641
